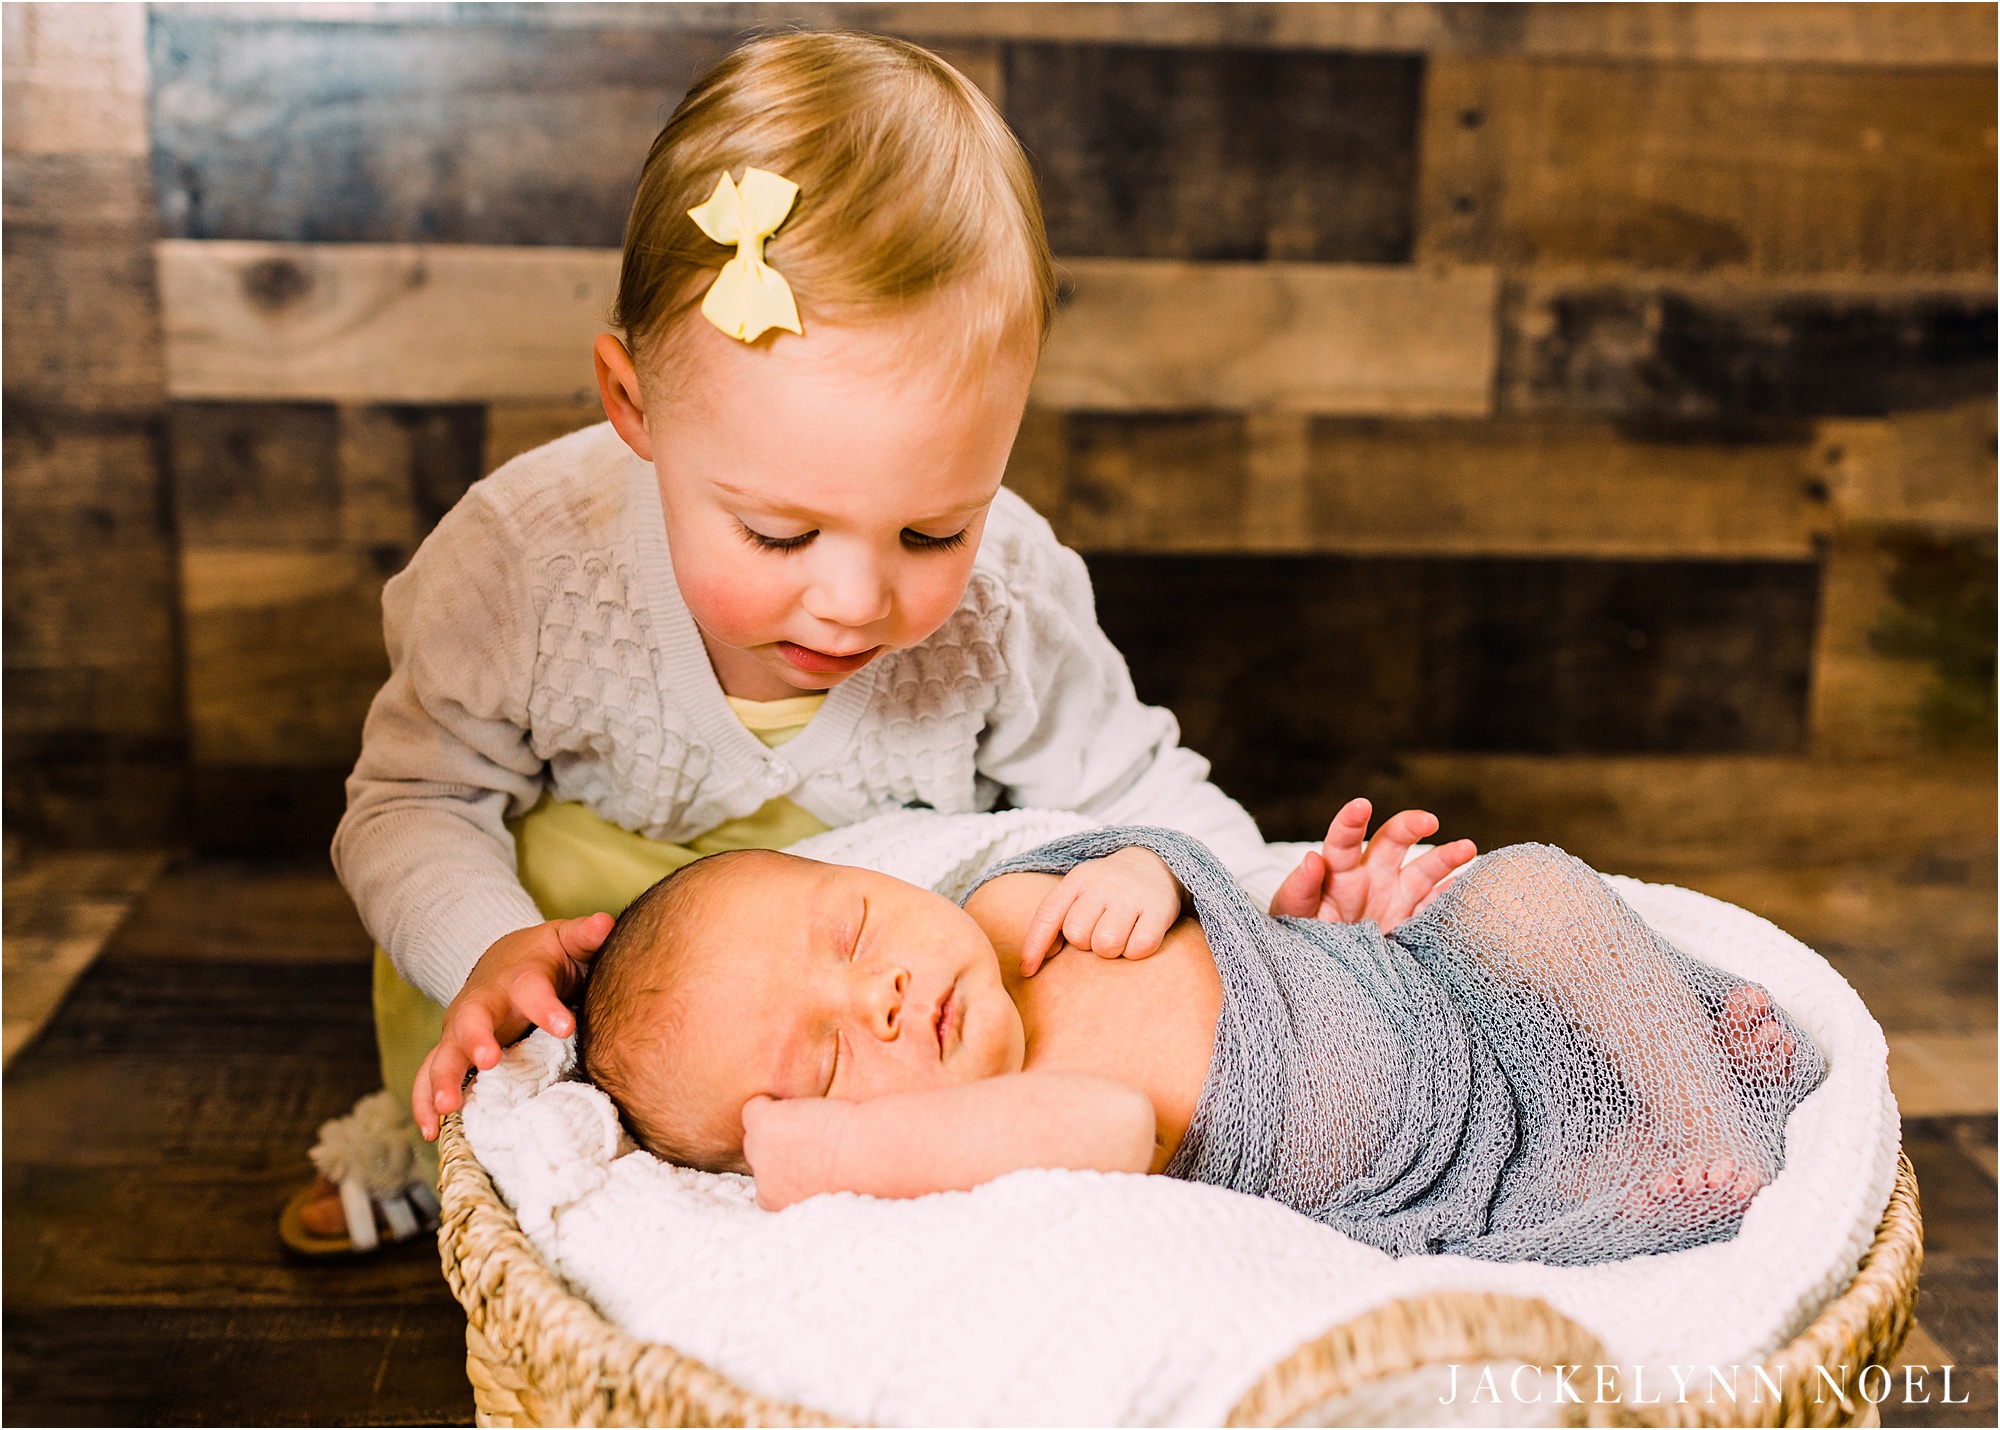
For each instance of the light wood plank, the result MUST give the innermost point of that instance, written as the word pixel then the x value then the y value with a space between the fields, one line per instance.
pixel 60 909
pixel 410 323
pixel 1856 34
pixel 1943 1074
pixel 75 79
pixel 1929 469
pixel 1320 338
pixel 1284 482
pixel 382 322
pixel 1767 167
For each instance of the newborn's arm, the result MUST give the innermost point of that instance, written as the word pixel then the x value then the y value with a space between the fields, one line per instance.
pixel 908 1144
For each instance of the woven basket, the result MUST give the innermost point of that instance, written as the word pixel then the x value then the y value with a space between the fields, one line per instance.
pixel 538 1355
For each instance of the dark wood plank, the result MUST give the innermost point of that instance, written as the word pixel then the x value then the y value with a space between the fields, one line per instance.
pixel 256 474
pixel 1220 154
pixel 1692 357
pixel 364 1365
pixel 509 133
pixel 261 911
pixel 264 811
pixel 1277 666
pixel 1769 168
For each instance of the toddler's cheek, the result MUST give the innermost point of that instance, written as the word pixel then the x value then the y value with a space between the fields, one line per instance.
pixel 926 599
pixel 739 611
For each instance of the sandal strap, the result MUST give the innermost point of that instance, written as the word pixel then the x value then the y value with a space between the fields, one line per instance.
pixel 360 1213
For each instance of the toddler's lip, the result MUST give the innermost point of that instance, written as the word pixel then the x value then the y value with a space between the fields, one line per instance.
pixel 819 662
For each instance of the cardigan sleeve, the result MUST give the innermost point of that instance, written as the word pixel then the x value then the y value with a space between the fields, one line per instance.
pixel 1069 732
pixel 424 849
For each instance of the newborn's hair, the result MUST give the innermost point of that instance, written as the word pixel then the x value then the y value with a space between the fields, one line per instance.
pixel 627 1023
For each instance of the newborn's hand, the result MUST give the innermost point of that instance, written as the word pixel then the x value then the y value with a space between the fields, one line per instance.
pixel 789 1144
pixel 1341 882
pixel 1120 906
pixel 518 984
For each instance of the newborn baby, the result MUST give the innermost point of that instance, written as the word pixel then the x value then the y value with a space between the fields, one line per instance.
pixel 1507 1063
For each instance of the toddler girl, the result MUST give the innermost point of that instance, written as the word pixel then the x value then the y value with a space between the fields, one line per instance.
pixel 780 590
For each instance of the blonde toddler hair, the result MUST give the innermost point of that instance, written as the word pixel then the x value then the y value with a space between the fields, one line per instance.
pixel 911 186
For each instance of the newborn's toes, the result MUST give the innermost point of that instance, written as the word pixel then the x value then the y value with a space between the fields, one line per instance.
pixel 1758 1046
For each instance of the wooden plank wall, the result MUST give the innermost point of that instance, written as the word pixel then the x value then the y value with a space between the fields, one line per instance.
pixel 1543 388
pixel 95 732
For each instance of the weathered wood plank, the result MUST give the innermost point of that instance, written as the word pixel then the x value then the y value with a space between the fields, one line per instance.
pixel 1236 155
pixel 1904 658
pixel 514 428
pixel 1279 482
pixel 1854 34
pixel 382 323
pixel 1324 338
pixel 403 323
pixel 415 131
pixel 1929 469
pixel 60 909
pixel 228 912
pixel 1297 675
pixel 1693 355
pixel 1769 168
pixel 317 1365
pixel 75 79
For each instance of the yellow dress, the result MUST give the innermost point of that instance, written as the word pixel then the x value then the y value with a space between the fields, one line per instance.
pixel 574 864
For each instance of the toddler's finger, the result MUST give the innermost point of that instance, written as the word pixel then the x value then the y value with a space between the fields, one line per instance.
pixel 536 999
pixel 448 1066
pixel 1398 833
pixel 581 938
pixel 423 1102
pixel 472 1027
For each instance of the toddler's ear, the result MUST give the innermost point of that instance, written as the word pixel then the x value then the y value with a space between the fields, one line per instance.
pixel 624 402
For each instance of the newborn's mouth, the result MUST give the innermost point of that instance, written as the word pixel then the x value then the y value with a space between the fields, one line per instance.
pixel 948 1022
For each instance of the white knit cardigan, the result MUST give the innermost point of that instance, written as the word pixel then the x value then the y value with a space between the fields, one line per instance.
pixel 537 640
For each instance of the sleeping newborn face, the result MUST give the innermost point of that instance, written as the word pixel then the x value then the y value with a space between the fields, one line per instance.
pixel 769 974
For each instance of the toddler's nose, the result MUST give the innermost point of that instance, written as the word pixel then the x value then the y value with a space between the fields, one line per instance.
pixel 851 593
pixel 885 995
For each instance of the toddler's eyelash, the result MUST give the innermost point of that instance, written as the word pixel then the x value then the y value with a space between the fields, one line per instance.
pixel 775 543
pixel 918 541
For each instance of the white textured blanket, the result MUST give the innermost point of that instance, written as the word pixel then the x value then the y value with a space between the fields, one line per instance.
pixel 1078 1298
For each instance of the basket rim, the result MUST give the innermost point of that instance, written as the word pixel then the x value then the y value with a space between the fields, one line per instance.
pixel 600 1374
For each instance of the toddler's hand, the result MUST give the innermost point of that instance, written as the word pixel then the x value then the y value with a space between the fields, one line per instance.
pixel 517 984
pixel 1341 883
pixel 1120 906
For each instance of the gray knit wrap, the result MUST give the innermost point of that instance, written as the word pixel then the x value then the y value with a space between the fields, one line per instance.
pixel 1525 1070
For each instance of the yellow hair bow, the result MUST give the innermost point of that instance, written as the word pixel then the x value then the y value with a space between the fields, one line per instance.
pixel 749 295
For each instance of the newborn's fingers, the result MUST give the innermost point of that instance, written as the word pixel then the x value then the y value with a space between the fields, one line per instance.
pixel 1398 832
pixel 1080 923
pixel 1150 932
pixel 1346 836
pixel 1298 897
pixel 1430 874
pixel 1038 944
pixel 1112 938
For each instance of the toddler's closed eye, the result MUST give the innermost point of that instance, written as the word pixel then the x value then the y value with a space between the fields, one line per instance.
pixel 922 541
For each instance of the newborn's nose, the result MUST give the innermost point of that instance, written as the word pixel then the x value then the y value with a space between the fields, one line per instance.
pixel 885 1003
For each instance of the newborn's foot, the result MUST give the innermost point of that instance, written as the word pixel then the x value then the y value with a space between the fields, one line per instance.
pixel 1701 1191
pixel 1759 1049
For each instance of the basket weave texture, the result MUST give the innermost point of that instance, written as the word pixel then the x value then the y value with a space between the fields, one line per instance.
pixel 537 1354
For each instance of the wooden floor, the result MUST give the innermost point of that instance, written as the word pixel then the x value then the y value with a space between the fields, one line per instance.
pixel 161 1119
